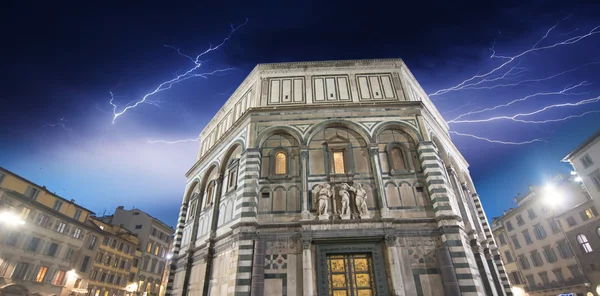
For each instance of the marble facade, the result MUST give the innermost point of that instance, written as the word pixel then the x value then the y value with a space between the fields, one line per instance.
pixel 335 176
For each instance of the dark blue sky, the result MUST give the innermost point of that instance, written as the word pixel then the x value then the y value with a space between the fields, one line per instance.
pixel 60 60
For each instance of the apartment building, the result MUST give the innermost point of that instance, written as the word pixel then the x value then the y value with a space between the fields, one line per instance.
pixel 155 241
pixel 42 238
pixel 534 243
pixel 585 231
pixel 115 264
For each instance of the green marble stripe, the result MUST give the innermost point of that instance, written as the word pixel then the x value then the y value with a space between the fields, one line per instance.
pixel 440 199
pixel 458 255
pixel 248 215
pixel 243 282
pixel 468 289
pixel 442 208
pixel 438 190
pixel 464 276
pixel 244 269
pixel 249 246
pixel 417 276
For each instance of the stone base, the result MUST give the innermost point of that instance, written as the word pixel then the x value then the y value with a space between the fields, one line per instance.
pixel 345 217
pixel 306 215
pixel 323 217
pixel 385 213
pixel 365 216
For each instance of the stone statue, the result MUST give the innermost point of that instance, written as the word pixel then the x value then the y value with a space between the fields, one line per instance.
pixel 345 195
pixel 324 192
pixel 361 200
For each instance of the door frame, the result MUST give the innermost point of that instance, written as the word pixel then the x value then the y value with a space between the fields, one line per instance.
pixel 374 248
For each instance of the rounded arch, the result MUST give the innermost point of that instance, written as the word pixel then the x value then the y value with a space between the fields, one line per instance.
pixel 441 149
pixel 213 167
pixel 403 126
pixel 14 289
pixel 266 133
pixel 237 147
pixel 390 182
pixel 190 190
pixel 337 123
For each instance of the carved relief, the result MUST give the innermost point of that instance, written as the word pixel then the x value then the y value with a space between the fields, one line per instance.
pixel 306 243
pixel 421 250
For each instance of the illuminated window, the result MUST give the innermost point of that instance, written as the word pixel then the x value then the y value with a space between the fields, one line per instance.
pixel 149 247
pixel 584 244
pixel 588 214
pixel 280 163
pixel 397 159
pixel 41 274
pixel 58 279
pixel 338 162
pixel 25 213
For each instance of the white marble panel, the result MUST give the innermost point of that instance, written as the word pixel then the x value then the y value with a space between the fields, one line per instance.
pixel 363 85
pixel 274 93
pixel 375 87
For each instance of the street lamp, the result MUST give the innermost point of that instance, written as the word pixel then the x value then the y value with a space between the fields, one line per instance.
pixel 10 218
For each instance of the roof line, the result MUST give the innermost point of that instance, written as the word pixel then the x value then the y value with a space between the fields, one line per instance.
pixel 581 146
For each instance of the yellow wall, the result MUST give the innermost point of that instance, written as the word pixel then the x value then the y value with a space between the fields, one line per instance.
pixel 44 197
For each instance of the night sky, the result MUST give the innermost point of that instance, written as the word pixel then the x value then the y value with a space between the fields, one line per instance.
pixel 61 60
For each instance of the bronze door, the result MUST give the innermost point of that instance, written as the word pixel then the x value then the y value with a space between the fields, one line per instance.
pixel 350 275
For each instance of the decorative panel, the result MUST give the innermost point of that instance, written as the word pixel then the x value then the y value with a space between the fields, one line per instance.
pixel 331 88
pixel 376 87
pixel 288 90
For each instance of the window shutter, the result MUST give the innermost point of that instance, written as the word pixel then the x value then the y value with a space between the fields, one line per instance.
pixel 594 211
pixel 584 217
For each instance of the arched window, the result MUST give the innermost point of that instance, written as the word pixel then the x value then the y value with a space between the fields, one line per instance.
pixel 280 163
pixel 209 194
pixel 584 244
pixel 397 159
pixel 598 231
pixel 192 208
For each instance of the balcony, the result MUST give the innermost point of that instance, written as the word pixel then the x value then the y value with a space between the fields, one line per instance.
pixel 578 281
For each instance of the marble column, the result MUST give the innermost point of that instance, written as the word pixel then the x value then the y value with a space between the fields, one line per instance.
pixel 395 268
pixel 307 270
pixel 304 176
pixel 375 165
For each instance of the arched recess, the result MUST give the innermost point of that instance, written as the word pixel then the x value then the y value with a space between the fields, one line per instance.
pixel 14 289
pixel 399 125
pixel 280 151
pixel 230 167
pixel 337 123
pixel 421 194
pixel 208 184
pixel 294 199
pixel 339 148
pixel 397 149
pixel 268 132
pixel 265 200
pixel 394 200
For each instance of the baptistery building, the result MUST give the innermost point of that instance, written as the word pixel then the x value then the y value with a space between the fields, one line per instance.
pixel 331 178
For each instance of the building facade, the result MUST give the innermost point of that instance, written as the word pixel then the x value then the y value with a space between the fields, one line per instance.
pixel 534 239
pixel 155 242
pixel 116 261
pixel 585 234
pixel 42 240
pixel 332 178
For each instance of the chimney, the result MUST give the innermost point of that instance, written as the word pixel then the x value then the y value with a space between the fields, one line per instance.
pixel 72 201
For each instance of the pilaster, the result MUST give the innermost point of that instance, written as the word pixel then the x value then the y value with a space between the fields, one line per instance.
pixel 306 215
pixel 307 269
pixel 376 167
pixel 391 243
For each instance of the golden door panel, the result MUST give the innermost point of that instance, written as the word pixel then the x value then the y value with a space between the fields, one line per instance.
pixel 350 275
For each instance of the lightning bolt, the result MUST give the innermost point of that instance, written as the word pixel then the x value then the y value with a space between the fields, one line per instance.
pixel 561 92
pixel 174 142
pixel 481 78
pixel 190 73
pixel 497 141
pixel 515 117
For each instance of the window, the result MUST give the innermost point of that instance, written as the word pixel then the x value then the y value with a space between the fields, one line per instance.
pixel 515 242
pixel 131 276
pixel 33 244
pixel 598 231
pixel 571 221
pixel 574 271
pixel 558 274
pixel 41 274
pixel 122 264
pixel 99 257
pixel 554 225
pixel 135 262
pixel 564 250
pixel 77 233
pixel 116 262
pixel 57 205
pixel 419 189
pixel 59 278
pixel 520 220
pixel 515 278
pixel 106 240
pixel 524 262
pixel 397 159
pixel 584 244
pixel 84 263
pixel 43 220
pixel 127 249
pixel 530 280
pixel 113 244
pixel 265 194
pixel 595 176
pixel 527 237
pixel 52 249
pixel 32 192
pixel 539 232
pixel 107 260
pixel 156 249
pixel 121 245
pixel 502 239
pixel 232 178
pixel 549 254
pixel 136 213
pixel 586 161
pixel 12 239
pixel 588 214
pixel 338 162
pixel 280 163
pixel 69 254
pixel 103 277
pixel 21 270
pixel 60 227
pixel 3 266
pixel 509 226
pixel 508 257
pixel 149 247
pixel 531 214
pixel 153 231
pixel 2 175
pixel 209 194
pixel 92 242
pixel 544 277
pixel 25 213
pixel 139 226
pixel 77 214
pixel 536 258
